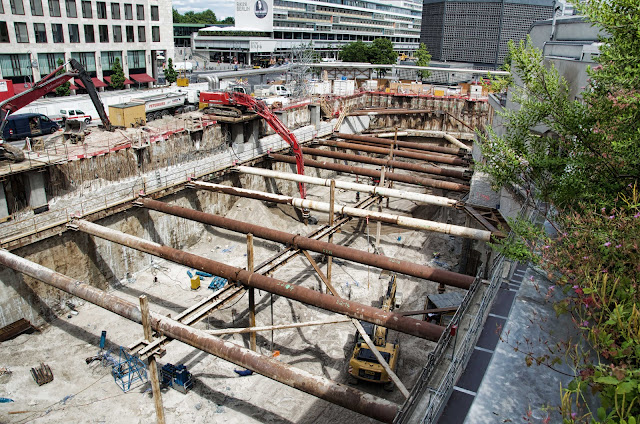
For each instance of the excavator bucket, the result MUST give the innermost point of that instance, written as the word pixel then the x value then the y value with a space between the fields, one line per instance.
pixel 74 131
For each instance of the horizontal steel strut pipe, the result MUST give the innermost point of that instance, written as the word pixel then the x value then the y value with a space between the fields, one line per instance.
pixel 402 221
pixel 345 185
pixel 261 282
pixel 366 112
pixel 455 173
pixel 409 179
pixel 368 159
pixel 301 242
pixel 441 134
pixel 318 386
pixel 400 143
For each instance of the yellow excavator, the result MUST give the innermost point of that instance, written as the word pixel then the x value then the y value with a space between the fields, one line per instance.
pixel 363 365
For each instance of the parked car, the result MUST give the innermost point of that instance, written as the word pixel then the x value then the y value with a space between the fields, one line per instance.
pixel 28 125
pixel 74 114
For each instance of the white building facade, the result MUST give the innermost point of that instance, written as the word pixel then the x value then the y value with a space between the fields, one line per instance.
pixel 34 34
pixel 327 25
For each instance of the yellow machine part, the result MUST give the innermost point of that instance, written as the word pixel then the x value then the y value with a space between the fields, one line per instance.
pixel 195 283
pixel 371 370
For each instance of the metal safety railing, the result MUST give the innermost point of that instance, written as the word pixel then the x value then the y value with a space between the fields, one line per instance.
pixel 87 202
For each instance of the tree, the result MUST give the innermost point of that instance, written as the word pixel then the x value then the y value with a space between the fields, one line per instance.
pixel 424 58
pixel 581 157
pixel 117 76
pixel 64 89
pixel 228 21
pixel 381 52
pixel 354 52
pixel 170 74
pixel 205 17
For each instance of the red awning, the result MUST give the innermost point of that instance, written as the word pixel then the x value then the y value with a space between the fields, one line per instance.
pixel 78 83
pixel 98 83
pixel 142 78
pixel 126 80
pixel 72 87
pixel 19 87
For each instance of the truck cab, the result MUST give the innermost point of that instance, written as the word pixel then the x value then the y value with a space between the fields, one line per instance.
pixel 28 125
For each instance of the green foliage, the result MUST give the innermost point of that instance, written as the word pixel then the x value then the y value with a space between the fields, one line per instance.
pixel 379 52
pixel 354 52
pixel 170 74
pixel 64 89
pixel 205 17
pixel 520 246
pixel 424 58
pixel 552 144
pixel 582 156
pixel 117 77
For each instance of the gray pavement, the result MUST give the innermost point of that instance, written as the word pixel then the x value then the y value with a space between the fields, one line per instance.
pixel 497 386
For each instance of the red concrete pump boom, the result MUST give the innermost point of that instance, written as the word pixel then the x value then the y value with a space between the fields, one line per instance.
pixel 225 98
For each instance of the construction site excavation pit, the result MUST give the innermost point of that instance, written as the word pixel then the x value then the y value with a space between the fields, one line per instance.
pixel 220 393
pixel 141 221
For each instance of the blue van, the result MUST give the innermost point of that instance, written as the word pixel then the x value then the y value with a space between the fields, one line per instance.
pixel 28 125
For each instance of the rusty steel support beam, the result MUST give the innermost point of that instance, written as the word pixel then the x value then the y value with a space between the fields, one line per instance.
pixel 400 143
pixel 404 178
pixel 374 112
pixel 399 220
pixel 345 185
pixel 300 242
pixel 445 172
pixel 318 386
pixel 272 285
pixel 370 160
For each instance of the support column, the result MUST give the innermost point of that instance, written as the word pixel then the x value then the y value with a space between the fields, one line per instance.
pixel 252 299
pixel 254 131
pixel 314 115
pixel 4 208
pixel 36 193
pixel 153 366
pixel 237 133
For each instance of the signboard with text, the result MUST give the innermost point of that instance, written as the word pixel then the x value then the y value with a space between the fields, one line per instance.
pixel 262 46
pixel 254 15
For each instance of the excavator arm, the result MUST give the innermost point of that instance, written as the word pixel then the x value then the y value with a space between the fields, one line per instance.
pixel 47 85
pixel 259 107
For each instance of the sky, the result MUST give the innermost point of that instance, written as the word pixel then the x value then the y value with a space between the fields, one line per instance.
pixel 222 8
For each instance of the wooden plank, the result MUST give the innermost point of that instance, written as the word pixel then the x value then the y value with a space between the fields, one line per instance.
pixel 153 366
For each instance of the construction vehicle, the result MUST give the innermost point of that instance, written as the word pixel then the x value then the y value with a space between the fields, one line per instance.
pixel 363 365
pixel 158 105
pixel 39 89
pixel 234 103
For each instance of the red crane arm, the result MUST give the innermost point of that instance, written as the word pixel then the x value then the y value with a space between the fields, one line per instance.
pixel 38 90
pixel 259 107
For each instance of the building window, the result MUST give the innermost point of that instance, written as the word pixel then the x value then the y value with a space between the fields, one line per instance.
pixel 41 33
pixel 130 37
pixel 72 11
pixel 142 36
pixel 101 8
pixel 117 34
pixel 15 65
pixel 17 8
pixel 135 59
pixel 56 33
pixel 107 59
pixel 103 30
pixel 89 36
pixel 1 7
pixel 21 32
pixel 115 10
pixel 87 60
pixel 128 12
pixel 86 9
pixel 4 33
pixel 140 12
pixel 155 34
pixel 36 8
pixel 155 16
pixel 74 33
pixel 54 8
pixel 48 62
